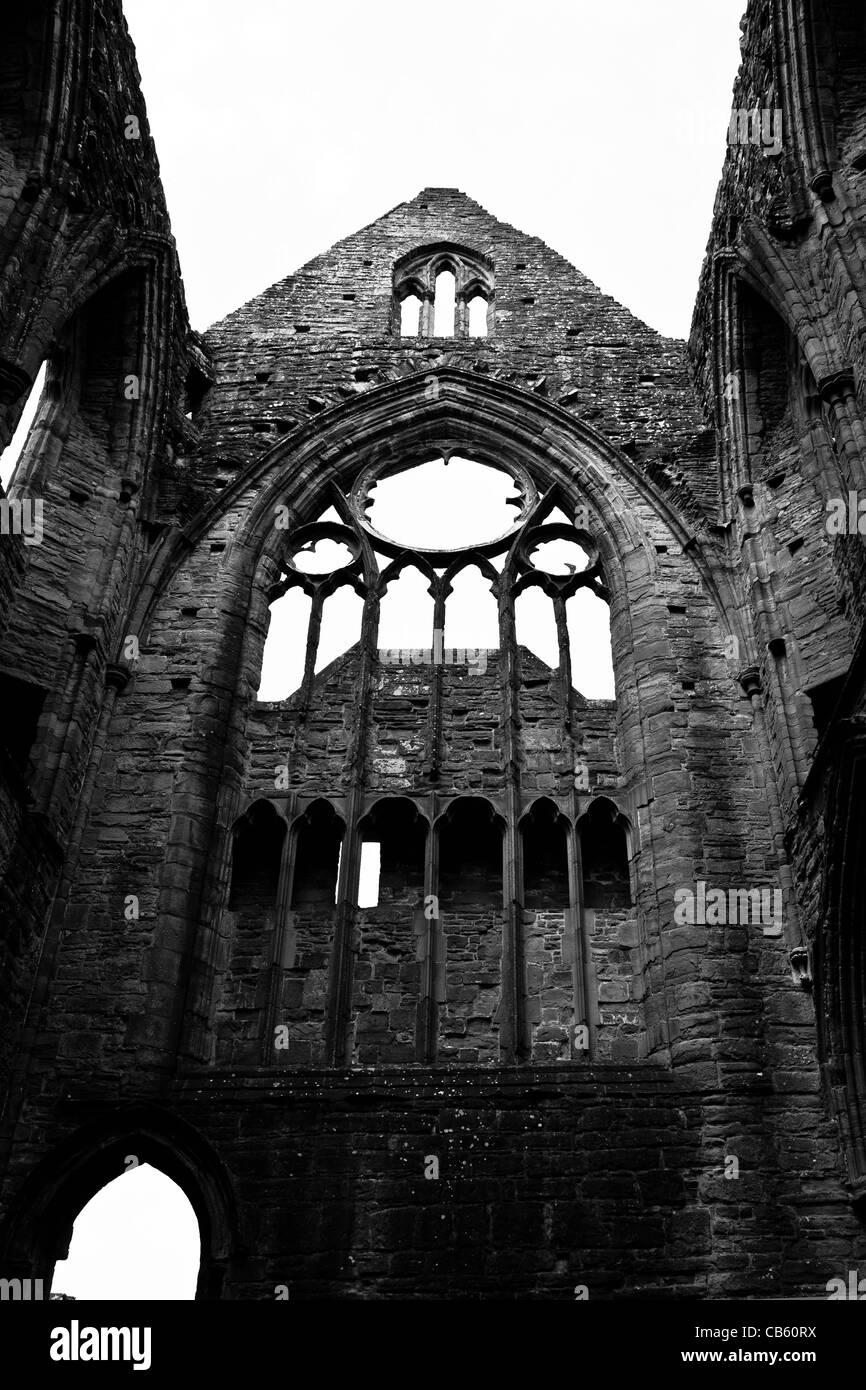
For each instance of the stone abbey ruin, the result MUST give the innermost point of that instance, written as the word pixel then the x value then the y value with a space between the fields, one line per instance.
pixel 601 1026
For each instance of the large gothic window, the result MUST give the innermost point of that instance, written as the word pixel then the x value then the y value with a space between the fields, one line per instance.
pixel 436 714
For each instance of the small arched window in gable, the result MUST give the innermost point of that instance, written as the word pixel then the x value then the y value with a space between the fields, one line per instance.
pixel 443 291
pixel 444 304
pixel 477 308
pixel 410 316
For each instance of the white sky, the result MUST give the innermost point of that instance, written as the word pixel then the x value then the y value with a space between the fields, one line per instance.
pixel 138 1238
pixel 283 127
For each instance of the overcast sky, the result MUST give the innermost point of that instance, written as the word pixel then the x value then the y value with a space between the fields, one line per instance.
pixel 282 127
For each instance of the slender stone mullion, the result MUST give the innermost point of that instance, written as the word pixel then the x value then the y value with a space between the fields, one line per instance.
pixel 575 922
pixel 564 660
pixel 734 442
pixel 434 717
pixel 512 1041
pixel 314 628
pixel 344 930
pixel 577 926
pixel 282 930
pixel 426 1033
pixel 340 990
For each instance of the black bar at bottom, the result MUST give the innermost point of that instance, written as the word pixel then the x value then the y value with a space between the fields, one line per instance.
pixel 300 1340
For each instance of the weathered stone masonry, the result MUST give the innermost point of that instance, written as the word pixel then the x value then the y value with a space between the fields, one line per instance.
pixel 185 968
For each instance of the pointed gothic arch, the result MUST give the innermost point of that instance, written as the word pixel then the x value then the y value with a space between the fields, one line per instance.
pixel 493 423
pixel 50 1197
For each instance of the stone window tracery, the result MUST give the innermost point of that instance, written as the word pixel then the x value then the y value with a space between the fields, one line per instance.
pixel 443 291
pixel 418 604
pixel 422 878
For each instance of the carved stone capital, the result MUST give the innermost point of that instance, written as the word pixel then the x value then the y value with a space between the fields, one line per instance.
pixel 837 386
pixel 822 184
pixel 116 677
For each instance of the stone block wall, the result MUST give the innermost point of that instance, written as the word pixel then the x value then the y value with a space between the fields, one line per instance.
pixel 187 965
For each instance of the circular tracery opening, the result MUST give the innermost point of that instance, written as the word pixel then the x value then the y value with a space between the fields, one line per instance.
pixel 559 557
pixel 443 504
pixel 322 557
pixel 321 549
pixel 560 551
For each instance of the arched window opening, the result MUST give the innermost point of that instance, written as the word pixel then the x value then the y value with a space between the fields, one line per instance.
pixel 391 936
pixel 604 854
pixel 197 387
pixel 444 304
pixel 341 625
pixel 85 401
pixel 471 613
pixel 103 342
pixel 285 646
pixel 317 854
pixel 548 933
pixel 400 830
pixel 588 620
pixel 410 316
pixel 301 987
pixel 256 858
pixel 470 896
pixel 766 389
pixel 405 616
pixel 545 859
pixel 608 920
pixel 444 505
pixel 137 1238
pixel 470 855
pixel 535 626
pixel 249 926
pixel 15 448
pixel 477 308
